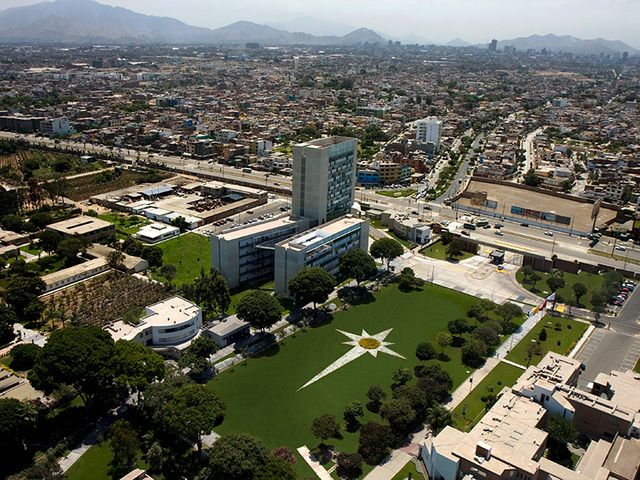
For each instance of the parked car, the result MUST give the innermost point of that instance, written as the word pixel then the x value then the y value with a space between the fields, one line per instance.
pixel 465 233
pixel 549 233
pixel 500 233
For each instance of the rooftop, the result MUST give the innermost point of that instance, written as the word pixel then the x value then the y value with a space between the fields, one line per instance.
pixel 256 228
pixel 318 235
pixel 325 142
pixel 80 225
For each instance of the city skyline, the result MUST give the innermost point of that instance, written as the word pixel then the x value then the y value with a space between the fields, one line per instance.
pixel 434 21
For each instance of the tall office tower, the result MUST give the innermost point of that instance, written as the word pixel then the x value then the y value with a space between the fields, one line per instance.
pixel 493 46
pixel 428 130
pixel 324 178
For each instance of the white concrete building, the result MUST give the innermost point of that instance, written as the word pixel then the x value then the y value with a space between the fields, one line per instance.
pixel 428 130
pixel 170 324
pixel 56 126
pixel 156 232
pixel 245 255
pixel 324 178
pixel 320 247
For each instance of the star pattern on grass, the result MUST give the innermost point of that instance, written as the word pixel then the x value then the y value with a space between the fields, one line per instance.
pixel 362 344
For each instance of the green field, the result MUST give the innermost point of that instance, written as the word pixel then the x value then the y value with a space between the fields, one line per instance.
pixel 406 192
pixel 95 464
pixel 262 395
pixel 503 375
pixel 562 336
pixel 439 251
pixel 637 367
pixel 594 283
pixel 125 224
pixel 189 253
pixel 409 468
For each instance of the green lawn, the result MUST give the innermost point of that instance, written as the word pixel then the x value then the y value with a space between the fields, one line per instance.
pixel 594 283
pixel 472 408
pixel 562 336
pixel 637 367
pixel 405 243
pixel 125 224
pixel 94 464
pixel 189 253
pixel 439 251
pixel 407 192
pixel 32 249
pixel 262 395
pixel 409 468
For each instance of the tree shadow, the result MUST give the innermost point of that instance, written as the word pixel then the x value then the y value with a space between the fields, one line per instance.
pixel 443 357
pixel 356 295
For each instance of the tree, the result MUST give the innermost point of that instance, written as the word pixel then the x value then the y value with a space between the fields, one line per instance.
pixel 210 291
pixel 376 395
pixel 275 469
pixel 168 271
pixel 124 443
pixel 7 319
pixel 438 417
pixel 284 453
pixel 194 411
pixel 69 248
pixel 132 246
pixel 407 280
pixel 325 427
pixel 542 336
pixel 49 240
pixel 454 249
pixel 508 311
pixel 155 457
pixel 531 179
pixel 476 311
pixel 349 465
pixel 530 276
pixel 555 282
pixel 115 260
pixel 79 357
pixel 401 376
pixel 357 264
pixel 237 457
pixel 17 424
pixel 416 398
pixel 598 303
pixel 311 285
pixel 561 433
pixel 351 414
pixel 153 255
pixel 41 219
pixel 425 351
pixel 21 292
pixel 458 326
pixel 196 356
pixel 136 366
pixel 12 222
pixel 473 352
pixel 400 415
pixel 579 290
pixel 533 350
pixel 434 382
pixel 181 223
pixel 260 309
pixel 386 249
pixel 24 356
pixel 374 442
pixel 487 334
pixel 444 339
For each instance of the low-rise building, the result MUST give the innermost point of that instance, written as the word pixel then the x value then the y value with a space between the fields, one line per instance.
pixel 228 331
pixel 89 228
pixel 169 326
pixel 320 247
pixel 156 232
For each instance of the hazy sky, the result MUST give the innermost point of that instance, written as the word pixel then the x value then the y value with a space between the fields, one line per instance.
pixel 435 20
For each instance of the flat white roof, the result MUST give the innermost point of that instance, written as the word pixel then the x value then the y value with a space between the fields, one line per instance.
pixel 80 225
pixel 319 234
pixel 156 230
pixel 256 228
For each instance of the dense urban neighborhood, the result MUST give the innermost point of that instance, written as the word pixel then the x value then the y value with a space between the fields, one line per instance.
pixel 281 257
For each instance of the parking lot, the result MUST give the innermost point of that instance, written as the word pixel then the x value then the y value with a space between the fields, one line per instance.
pixel 272 209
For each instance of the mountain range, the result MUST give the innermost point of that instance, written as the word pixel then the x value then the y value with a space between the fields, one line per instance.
pixel 90 22
pixel 569 44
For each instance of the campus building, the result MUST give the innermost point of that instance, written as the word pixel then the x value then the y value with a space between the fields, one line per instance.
pixel 509 441
pixel 245 255
pixel 320 247
pixel 169 325
pixel 324 178
pixel 89 228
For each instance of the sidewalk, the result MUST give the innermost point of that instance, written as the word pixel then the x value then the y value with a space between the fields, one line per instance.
pixel 90 440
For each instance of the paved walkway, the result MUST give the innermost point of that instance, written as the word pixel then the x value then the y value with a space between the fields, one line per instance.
pixel 318 469
pixel 90 440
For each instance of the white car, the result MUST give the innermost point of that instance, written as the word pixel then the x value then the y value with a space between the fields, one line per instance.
pixel 549 233
pixel 622 248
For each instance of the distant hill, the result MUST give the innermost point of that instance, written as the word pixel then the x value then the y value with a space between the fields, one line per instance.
pixel 457 42
pixel 567 43
pixel 314 26
pixel 87 21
